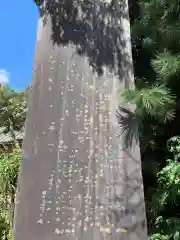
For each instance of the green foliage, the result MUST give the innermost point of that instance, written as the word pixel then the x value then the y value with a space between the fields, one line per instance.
pixel 173 145
pixel 13 107
pixel 159 236
pixel 166 65
pixel 169 185
pixel 164 223
pixel 155 36
pixel 9 167
pixel 154 101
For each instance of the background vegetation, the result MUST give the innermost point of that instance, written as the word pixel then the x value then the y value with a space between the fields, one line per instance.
pixel 156 57
pixel 155 29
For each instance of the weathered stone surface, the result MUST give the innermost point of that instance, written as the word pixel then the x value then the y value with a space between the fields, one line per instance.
pixel 76 180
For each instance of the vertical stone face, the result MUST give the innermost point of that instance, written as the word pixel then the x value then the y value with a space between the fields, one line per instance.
pixel 76 179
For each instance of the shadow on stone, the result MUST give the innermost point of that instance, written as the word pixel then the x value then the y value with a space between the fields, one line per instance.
pixel 93 27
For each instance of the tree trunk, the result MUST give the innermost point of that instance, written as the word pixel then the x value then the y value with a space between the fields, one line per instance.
pixel 77 180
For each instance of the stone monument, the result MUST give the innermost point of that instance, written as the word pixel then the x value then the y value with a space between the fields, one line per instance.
pixel 77 180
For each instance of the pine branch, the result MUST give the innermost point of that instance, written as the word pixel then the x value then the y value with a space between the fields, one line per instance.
pixel 166 65
pixel 156 102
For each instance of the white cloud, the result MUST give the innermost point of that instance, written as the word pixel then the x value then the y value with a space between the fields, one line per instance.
pixel 4 76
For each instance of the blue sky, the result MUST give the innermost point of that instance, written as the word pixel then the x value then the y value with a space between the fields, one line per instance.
pixel 18 20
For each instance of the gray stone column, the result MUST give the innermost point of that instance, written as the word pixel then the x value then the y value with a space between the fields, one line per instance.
pixel 77 181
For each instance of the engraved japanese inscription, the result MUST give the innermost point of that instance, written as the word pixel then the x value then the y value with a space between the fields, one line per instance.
pixel 77 180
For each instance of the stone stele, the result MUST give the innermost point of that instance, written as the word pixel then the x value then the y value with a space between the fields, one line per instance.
pixel 78 180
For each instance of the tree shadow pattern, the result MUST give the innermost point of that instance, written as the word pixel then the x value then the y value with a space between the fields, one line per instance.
pixel 94 27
